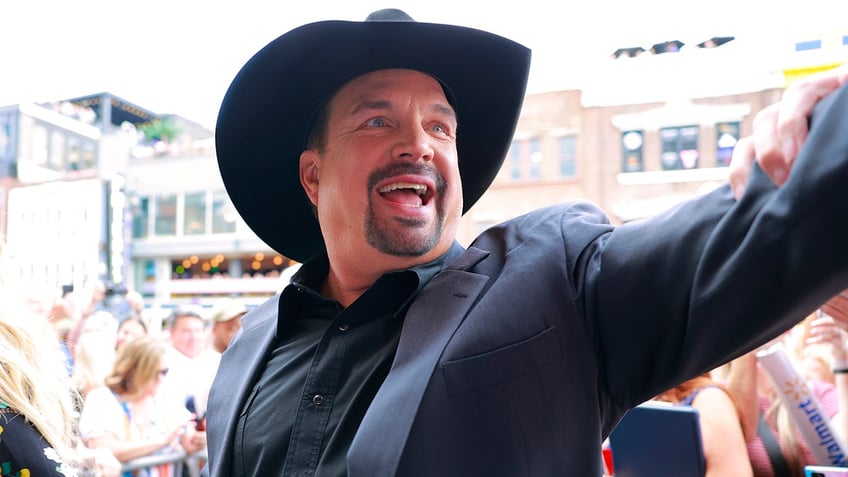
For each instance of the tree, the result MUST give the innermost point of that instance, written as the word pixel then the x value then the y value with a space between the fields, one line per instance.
pixel 163 129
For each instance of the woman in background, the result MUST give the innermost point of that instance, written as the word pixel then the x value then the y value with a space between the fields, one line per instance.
pixel 720 418
pixel 94 351
pixel 775 446
pixel 37 418
pixel 128 416
pixel 36 404
pixel 130 328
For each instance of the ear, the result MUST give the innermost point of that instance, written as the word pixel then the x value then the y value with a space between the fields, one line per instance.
pixel 309 171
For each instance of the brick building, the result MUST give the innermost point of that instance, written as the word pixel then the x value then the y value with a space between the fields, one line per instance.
pixel 651 132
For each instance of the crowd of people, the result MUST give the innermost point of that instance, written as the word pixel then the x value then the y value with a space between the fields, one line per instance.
pixel 747 430
pixel 98 391
pixel 142 392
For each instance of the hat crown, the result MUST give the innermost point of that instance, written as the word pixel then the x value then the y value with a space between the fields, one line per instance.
pixel 389 15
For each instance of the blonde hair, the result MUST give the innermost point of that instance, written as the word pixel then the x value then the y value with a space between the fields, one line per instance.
pixel 94 351
pixel 794 341
pixel 34 381
pixel 94 357
pixel 789 444
pixel 677 394
pixel 138 362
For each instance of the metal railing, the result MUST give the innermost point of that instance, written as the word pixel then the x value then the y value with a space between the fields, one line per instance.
pixel 175 458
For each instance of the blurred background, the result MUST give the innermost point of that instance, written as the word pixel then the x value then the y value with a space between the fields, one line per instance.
pixel 108 177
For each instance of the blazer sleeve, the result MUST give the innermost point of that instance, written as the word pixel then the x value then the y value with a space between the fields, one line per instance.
pixel 690 289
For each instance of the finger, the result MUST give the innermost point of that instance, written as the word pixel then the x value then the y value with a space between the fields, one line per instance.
pixel 812 340
pixel 740 165
pixel 838 313
pixel 823 329
pixel 831 337
pixel 781 129
pixel 766 143
pixel 799 100
pixel 824 321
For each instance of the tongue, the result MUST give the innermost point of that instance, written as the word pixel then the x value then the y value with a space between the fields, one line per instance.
pixel 404 196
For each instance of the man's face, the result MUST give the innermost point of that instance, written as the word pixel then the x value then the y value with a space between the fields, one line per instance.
pixel 388 179
pixel 224 331
pixel 188 335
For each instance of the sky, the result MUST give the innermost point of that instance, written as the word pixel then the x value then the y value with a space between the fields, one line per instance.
pixel 179 56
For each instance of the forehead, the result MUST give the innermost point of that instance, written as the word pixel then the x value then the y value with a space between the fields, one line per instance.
pixel 187 320
pixel 382 83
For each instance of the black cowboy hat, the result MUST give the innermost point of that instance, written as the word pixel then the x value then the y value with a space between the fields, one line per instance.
pixel 268 108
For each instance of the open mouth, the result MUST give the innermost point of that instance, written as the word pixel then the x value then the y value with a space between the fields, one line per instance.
pixel 407 193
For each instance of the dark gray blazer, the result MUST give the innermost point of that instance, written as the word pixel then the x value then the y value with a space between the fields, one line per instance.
pixel 522 355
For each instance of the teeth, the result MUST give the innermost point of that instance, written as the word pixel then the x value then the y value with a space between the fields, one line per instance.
pixel 420 188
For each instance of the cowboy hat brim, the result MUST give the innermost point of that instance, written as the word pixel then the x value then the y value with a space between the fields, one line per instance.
pixel 267 110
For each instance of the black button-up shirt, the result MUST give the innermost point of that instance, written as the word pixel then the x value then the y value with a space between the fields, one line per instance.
pixel 328 363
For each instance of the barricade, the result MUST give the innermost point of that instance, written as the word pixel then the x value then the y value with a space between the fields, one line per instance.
pixel 176 458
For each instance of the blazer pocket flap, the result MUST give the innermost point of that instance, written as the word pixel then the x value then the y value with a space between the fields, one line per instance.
pixel 503 364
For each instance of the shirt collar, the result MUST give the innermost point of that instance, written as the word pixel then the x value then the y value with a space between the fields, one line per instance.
pixel 313 272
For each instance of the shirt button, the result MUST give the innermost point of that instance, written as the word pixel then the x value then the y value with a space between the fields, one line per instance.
pixel 343 327
pixel 317 399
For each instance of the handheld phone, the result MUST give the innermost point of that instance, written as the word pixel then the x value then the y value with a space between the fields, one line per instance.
pixel 825 471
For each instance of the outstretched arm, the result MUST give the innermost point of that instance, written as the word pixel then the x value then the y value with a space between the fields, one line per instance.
pixel 725 276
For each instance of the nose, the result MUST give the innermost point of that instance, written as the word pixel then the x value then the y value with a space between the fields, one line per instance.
pixel 413 144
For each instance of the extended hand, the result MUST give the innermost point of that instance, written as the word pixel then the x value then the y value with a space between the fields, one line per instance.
pixel 781 129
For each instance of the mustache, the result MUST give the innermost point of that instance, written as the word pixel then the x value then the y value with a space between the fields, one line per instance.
pixel 401 168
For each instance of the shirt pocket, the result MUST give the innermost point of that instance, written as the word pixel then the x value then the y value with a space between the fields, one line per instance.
pixel 502 365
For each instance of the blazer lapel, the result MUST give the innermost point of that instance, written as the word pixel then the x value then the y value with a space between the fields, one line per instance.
pixel 232 382
pixel 430 322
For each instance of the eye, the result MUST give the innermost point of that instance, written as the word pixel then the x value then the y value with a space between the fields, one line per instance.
pixel 376 122
pixel 441 128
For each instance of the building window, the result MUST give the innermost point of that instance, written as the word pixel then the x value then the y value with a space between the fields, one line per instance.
pixel 140 216
pixel 89 155
pixel 727 135
pixel 74 154
pixel 567 156
pixel 148 270
pixel 223 214
pixel 679 147
pixel 6 137
pixel 536 159
pixel 194 215
pixel 515 160
pixel 165 215
pixel 57 151
pixel 631 147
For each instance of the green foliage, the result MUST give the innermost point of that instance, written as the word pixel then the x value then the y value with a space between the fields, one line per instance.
pixel 159 129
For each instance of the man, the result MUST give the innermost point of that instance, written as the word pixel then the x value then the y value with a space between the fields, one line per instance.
pixel 226 321
pixel 191 365
pixel 395 351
